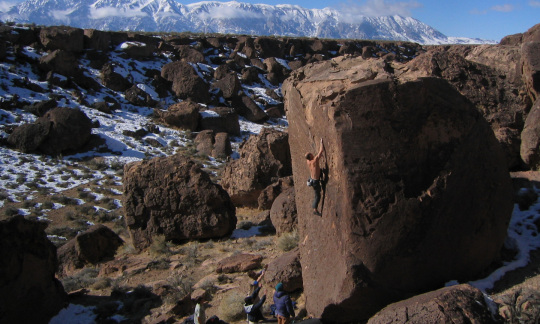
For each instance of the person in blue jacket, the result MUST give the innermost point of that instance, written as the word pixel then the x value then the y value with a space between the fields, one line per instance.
pixel 284 306
pixel 253 311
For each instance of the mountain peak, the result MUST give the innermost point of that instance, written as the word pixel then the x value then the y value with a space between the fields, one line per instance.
pixel 231 17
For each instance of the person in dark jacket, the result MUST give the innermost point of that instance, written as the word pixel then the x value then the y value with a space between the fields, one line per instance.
pixel 253 311
pixel 284 306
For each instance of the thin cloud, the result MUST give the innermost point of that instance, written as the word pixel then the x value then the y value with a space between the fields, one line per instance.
pixel 377 8
pixel 61 15
pixel 229 13
pixel 503 8
pixel 105 12
pixel 6 5
pixel 533 3
pixel 478 12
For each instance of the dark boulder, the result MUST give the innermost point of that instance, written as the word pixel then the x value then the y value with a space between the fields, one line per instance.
pixel 29 291
pixel 174 197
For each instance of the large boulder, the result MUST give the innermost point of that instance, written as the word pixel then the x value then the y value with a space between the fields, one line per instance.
pixel 418 191
pixel 286 269
pixel 62 38
pixel 174 197
pixel 270 193
pixel 264 159
pixel 530 138
pixel 29 291
pixel 61 62
pixel 186 83
pixel 212 144
pixel 183 115
pixel 451 305
pixel 239 263
pixel 489 79
pixel 98 243
pixel 60 129
pixel 283 212
pixel 221 119
pixel 113 80
pixel 530 67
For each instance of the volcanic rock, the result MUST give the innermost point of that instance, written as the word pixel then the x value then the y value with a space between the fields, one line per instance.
pixel 29 291
pixel 283 212
pixel 530 138
pixel 172 196
pixel 264 159
pixel 183 115
pixel 239 263
pixel 285 269
pixel 450 305
pixel 270 193
pixel 186 83
pixel 97 244
pixel 61 62
pixel 113 80
pixel 418 191
pixel 62 38
pixel 59 130
pixel 221 119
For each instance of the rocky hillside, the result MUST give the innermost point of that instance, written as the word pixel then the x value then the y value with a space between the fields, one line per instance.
pixel 155 159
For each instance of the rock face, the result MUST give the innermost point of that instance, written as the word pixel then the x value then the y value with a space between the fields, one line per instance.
pixel 29 291
pixel 530 138
pixel 172 196
pixel 263 160
pixel 418 191
pixel 185 81
pixel 450 305
pixel 183 115
pixel 98 243
pixel 60 129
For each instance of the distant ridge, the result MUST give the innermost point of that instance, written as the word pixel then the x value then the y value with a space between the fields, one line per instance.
pixel 225 18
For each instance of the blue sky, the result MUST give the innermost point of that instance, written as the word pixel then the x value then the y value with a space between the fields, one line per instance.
pixel 487 19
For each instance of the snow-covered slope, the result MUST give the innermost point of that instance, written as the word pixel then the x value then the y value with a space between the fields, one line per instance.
pixel 226 18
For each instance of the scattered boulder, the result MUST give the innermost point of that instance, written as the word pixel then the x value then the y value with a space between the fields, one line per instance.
pixel 283 212
pixel 62 38
pixel 229 85
pixel 137 50
pixel 239 263
pixel 186 83
pixel 139 97
pixel 60 129
pixel 61 62
pixel 422 198
pixel 174 197
pixel 246 107
pixel 29 291
pixel 97 244
pixel 277 73
pixel 264 159
pixel 40 108
pixel 189 54
pixel 97 40
pixel 212 144
pixel 183 115
pixel 221 119
pixel 270 193
pixel 286 269
pixel 450 305
pixel 113 80
pixel 530 138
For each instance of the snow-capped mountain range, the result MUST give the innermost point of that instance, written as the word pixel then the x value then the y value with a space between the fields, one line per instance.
pixel 225 18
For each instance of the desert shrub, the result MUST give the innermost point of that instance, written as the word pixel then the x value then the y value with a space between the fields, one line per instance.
pixel 11 211
pixel 102 283
pixel 81 279
pixel 64 200
pixel 288 241
pixel 208 285
pixel 47 205
pixel 261 245
pixel 231 309
pixel 159 264
pixel 159 246
pixel 191 253
pixel 522 306
pixel 183 283
pixel 245 225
